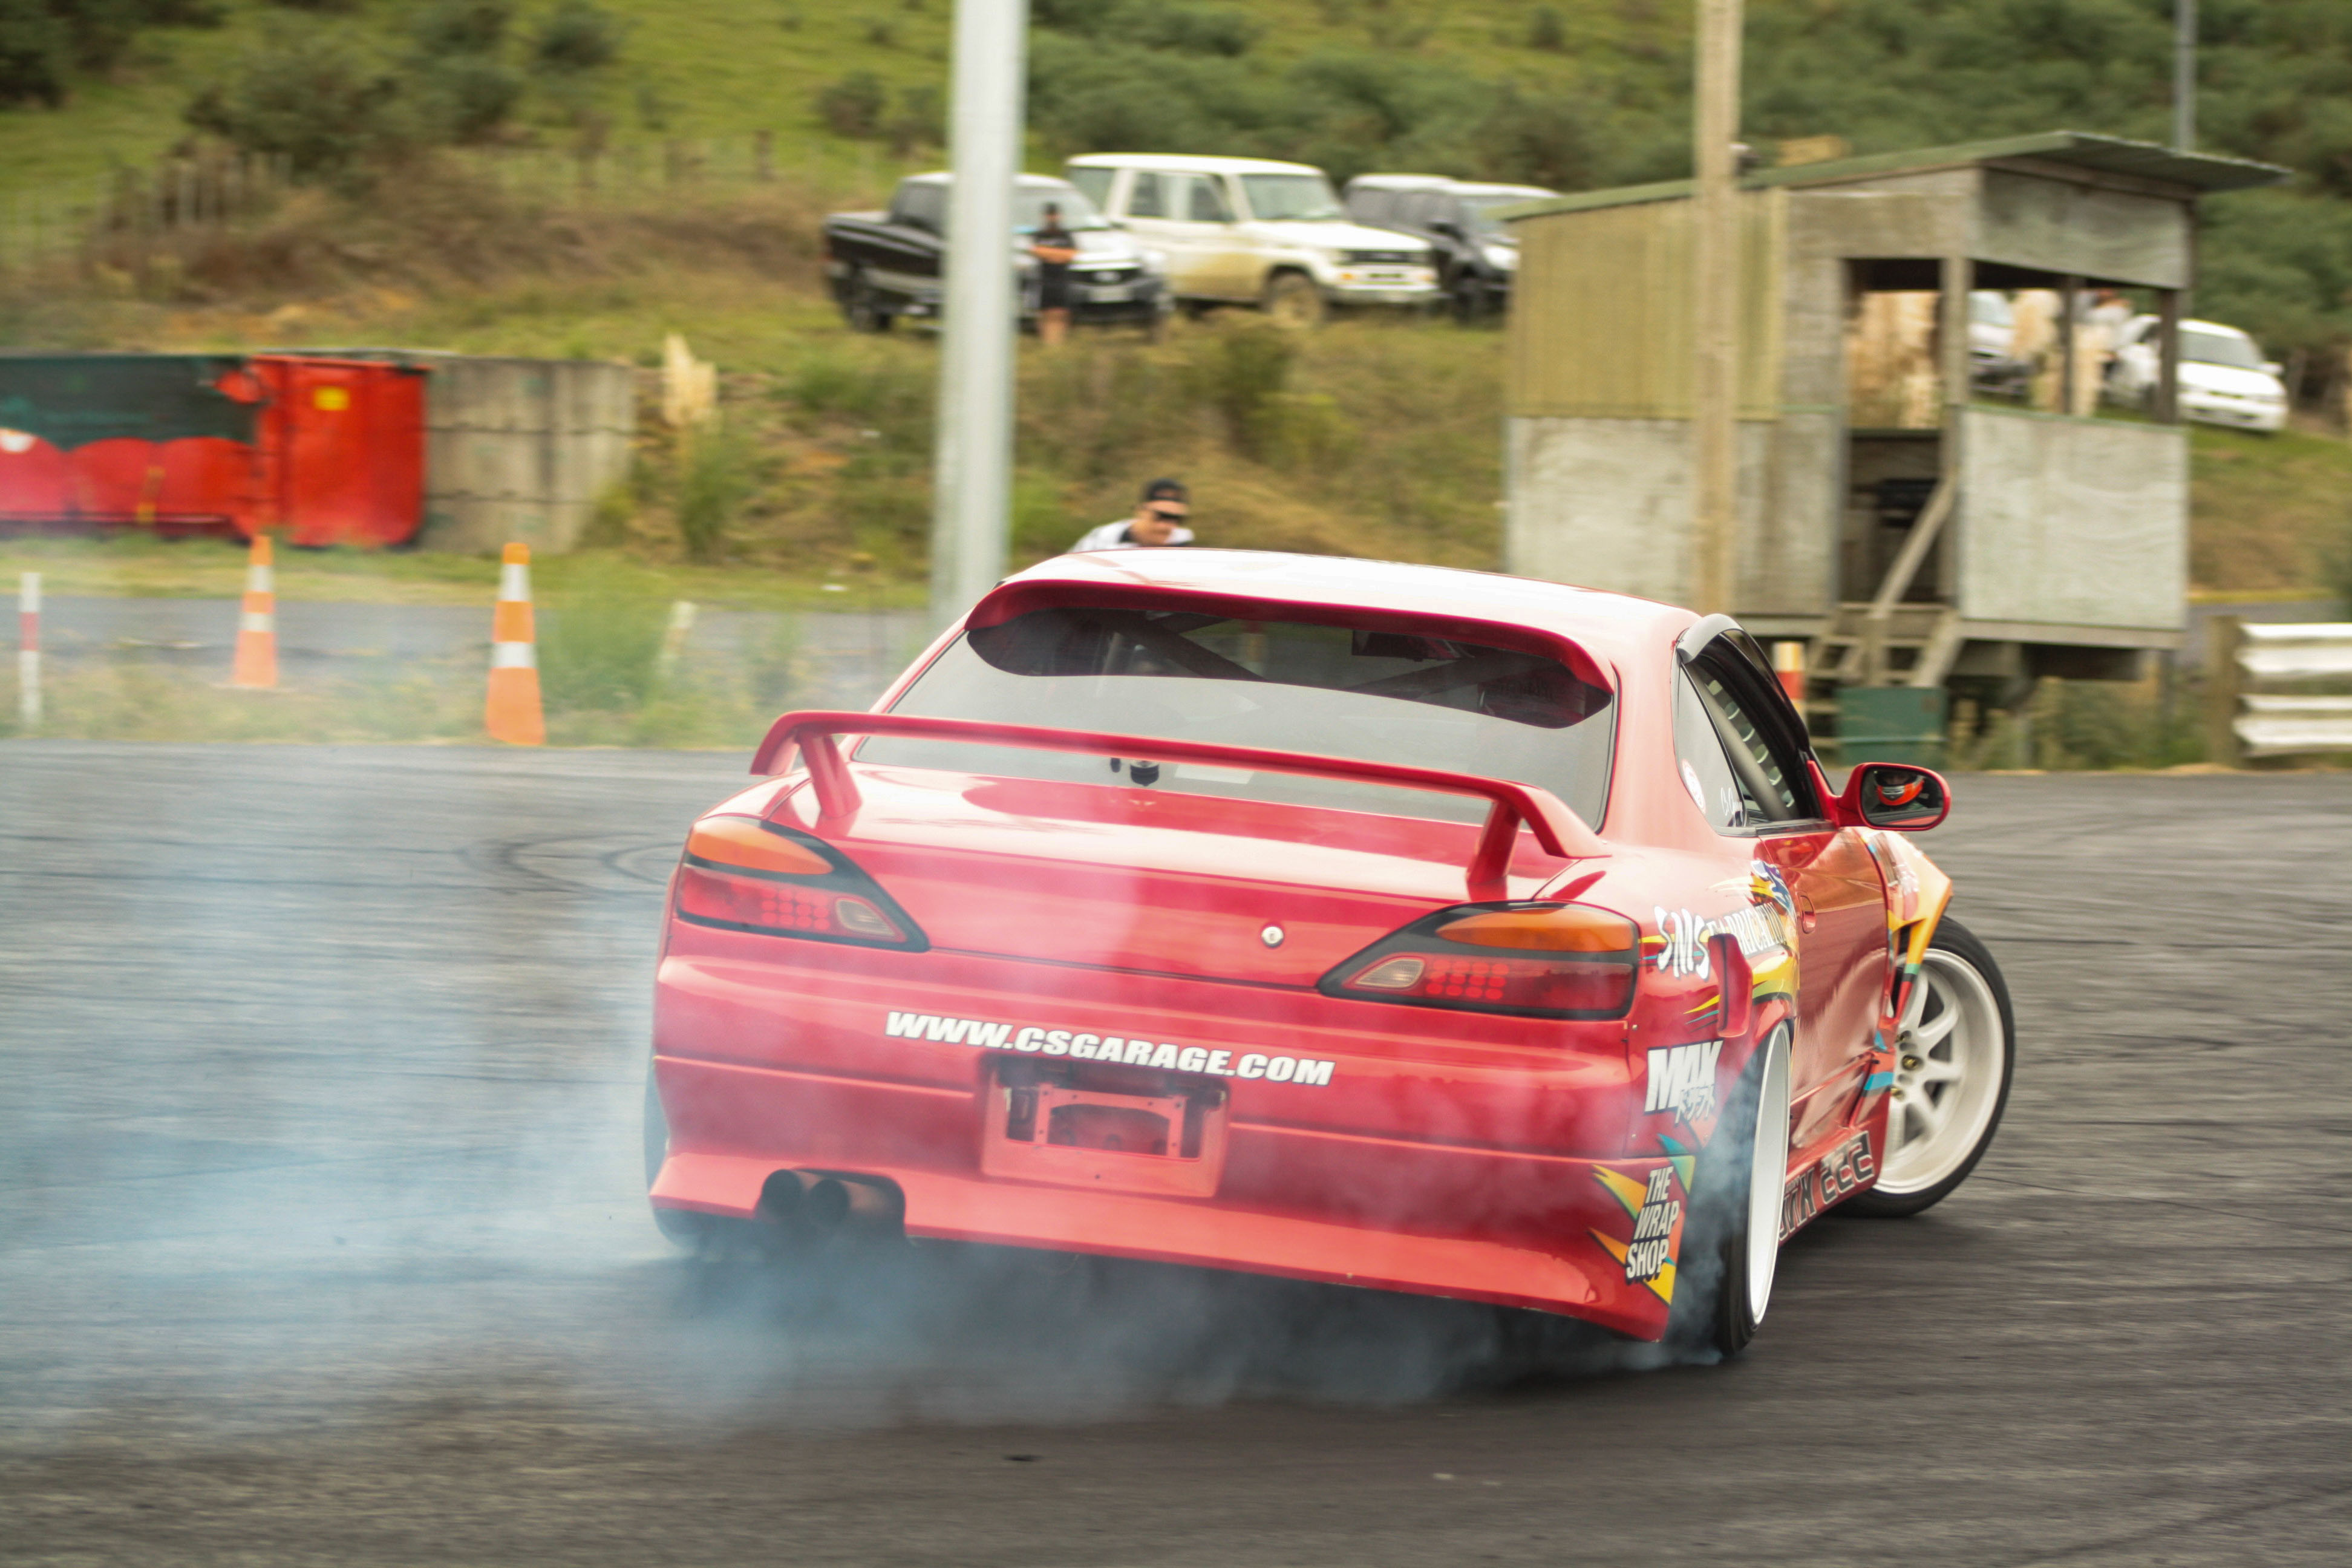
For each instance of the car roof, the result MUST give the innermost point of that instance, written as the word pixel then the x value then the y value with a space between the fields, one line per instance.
pixel 943 176
pixel 1189 164
pixel 1441 182
pixel 1613 627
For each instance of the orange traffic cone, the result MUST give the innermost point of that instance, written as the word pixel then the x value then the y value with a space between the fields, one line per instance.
pixel 513 714
pixel 256 627
pixel 1789 664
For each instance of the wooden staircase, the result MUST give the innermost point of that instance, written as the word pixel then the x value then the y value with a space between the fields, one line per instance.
pixel 1916 648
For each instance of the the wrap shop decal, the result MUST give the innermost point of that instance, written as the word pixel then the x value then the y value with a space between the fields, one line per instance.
pixel 1653 1201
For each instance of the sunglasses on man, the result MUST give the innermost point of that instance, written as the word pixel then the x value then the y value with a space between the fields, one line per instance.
pixel 1164 515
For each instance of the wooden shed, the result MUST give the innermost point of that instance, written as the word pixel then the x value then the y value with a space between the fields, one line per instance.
pixel 1934 529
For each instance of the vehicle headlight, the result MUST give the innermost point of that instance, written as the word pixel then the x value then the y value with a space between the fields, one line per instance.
pixel 1502 257
pixel 1154 261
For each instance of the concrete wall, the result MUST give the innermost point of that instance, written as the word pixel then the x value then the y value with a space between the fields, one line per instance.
pixel 519 450
pixel 1605 503
pixel 2073 522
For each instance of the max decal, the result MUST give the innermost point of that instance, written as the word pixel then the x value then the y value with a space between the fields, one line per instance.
pixel 1682 1081
pixel 1836 1175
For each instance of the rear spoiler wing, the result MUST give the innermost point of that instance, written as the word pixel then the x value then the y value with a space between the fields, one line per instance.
pixel 1558 830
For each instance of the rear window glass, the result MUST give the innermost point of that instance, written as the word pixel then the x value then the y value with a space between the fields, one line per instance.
pixel 1333 690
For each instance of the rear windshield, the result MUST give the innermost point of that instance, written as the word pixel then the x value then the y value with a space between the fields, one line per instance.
pixel 2218 348
pixel 1333 690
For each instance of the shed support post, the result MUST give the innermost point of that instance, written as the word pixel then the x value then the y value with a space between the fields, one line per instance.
pixel 2223 682
pixel 2070 360
pixel 2166 403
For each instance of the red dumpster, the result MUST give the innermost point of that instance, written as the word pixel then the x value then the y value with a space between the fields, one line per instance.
pixel 330 450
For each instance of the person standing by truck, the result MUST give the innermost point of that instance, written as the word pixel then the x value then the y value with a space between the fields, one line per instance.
pixel 1054 248
pixel 1159 521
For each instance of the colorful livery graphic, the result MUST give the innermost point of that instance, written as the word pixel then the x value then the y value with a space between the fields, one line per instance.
pixel 1382 925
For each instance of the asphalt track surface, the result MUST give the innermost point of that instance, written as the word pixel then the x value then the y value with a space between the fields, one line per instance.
pixel 321 1240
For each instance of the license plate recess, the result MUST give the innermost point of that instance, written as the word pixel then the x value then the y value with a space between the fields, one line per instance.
pixel 1109 1128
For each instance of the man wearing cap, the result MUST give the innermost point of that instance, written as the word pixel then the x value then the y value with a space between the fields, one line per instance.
pixel 1158 520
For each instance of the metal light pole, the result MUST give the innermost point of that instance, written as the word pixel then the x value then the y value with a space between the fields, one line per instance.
pixel 973 463
pixel 1715 293
pixel 2184 75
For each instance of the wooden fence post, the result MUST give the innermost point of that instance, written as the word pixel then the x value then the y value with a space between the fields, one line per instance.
pixel 2224 679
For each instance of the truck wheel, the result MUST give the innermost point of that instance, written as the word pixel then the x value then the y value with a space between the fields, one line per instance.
pixel 861 309
pixel 1468 300
pixel 1292 299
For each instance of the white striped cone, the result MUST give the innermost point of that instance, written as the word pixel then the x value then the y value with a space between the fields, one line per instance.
pixel 256 624
pixel 512 713
pixel 28 650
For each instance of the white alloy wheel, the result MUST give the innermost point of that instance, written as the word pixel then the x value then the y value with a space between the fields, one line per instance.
pixel 1950 1070
pixel 1768 1175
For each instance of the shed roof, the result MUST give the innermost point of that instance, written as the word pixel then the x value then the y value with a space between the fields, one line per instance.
pixel 2201 172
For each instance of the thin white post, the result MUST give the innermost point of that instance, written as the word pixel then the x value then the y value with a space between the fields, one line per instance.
pixel 28 650
pixel 1714 283
pixel 973 468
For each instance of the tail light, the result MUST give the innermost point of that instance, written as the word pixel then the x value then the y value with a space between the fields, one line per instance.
pixel 1534 960
pixel 742 874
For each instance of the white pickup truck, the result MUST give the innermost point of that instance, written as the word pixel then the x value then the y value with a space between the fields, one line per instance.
pixel 1249 231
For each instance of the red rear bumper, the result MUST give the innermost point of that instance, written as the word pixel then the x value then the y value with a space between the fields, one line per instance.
pixel 1457 1155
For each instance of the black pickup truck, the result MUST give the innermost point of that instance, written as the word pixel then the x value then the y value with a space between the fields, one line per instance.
pixel 881 266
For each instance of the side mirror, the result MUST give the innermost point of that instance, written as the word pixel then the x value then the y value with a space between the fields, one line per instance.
pixel 1445 227
pixel 1894 795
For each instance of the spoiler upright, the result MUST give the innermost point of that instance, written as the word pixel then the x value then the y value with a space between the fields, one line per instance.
pixel 1558 830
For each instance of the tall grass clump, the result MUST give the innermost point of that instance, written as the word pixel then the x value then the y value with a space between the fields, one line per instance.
pixel 600 644
pixel 716 475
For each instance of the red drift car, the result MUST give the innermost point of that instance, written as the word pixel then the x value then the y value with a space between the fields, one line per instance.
pixel 1384 925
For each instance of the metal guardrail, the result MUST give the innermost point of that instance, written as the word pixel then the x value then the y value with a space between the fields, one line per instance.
pixel 2244 723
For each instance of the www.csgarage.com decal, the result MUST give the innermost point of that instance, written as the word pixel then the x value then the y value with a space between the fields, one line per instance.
pixel 992 1036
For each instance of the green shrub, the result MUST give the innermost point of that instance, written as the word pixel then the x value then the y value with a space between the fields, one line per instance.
pixel 853 106
pixel 600 643
pixel 36 53
pixel 43 42
pixel 312 98
pixel 716 475
pixel 1546 31
pixel 462 27
pixel 1243 377
pixel 465 98
pixel 921 122
pixel 575 39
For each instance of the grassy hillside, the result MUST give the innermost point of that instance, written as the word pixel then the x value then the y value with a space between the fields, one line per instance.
pixel 729 68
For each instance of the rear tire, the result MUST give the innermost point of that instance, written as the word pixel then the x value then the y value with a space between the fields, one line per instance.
pixel 1292 299
pixel 1731 1232
pixel 1956 1052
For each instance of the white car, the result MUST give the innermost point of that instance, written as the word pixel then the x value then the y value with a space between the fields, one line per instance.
pixel 2224 380
pixel 1250 231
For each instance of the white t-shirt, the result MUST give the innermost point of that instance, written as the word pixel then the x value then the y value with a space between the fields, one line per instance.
pixel 1114 536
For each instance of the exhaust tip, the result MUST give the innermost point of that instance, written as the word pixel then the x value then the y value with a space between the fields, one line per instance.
pixel 812 1204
